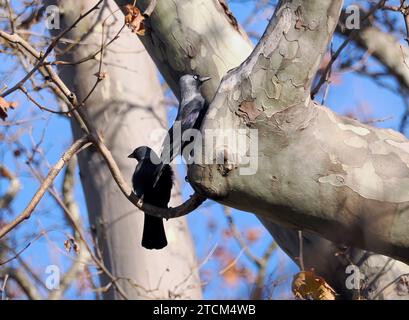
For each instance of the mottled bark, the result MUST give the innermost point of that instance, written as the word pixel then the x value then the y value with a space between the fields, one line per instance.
pixel 379 277
pixel 192 36
pixel 198 37
pixel 125 107
pixel 316 171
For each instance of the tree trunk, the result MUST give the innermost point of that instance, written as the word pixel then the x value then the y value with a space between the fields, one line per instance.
pixel 200 37
pixel 316 171
pixel 125 107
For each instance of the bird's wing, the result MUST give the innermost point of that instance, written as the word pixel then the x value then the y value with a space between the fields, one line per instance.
pixel 186 119
pixel 171 146
pixel 190 112
pixel 161 192
pixel 140 178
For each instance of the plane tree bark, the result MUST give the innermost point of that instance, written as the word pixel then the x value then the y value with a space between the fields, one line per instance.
pixel 202 37
pixel 124 107
pixel 316 171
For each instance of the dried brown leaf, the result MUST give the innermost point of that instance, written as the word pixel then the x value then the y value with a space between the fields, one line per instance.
pixel 68 245
pixel 71 244
pixel 307 285
pixel 4 106
pixel 101 75
pixel 135 20
pixel 5 173
pixel 231 276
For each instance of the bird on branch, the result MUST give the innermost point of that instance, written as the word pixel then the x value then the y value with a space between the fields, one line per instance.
pixel 146 171
pixel 191 112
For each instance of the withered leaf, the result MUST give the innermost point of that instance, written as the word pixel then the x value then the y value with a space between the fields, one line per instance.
pixel 248 111
pixel 253 234
pixel 135 20
pixel 4 172
pixel 71 244
pixel 4 106
pixel 307 285
pixel 232 276
pixel 101 75
pixel 68 245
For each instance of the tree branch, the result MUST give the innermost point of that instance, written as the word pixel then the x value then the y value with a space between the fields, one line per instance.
pixel 75 148
pixel 384 47
pixel 49 49
pixel 190 205
pixel 181 46
pixel 290 126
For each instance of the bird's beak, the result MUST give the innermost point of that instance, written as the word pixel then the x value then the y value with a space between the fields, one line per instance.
pixel 204 79
pixel 130 156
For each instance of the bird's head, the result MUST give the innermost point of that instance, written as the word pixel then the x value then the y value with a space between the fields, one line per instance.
pixel 141 153
pixel 189 81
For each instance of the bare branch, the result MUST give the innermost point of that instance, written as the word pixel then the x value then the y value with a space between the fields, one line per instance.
pixel 24 282
pixel 75 148
pixel 190 205
pixel 74 219
pixel 335 56
pixel 49 50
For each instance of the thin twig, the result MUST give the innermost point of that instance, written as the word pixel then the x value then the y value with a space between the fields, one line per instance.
pixel 301 250
pixel 49 50
pixel 75 148
pixel 335 56
pixel 3 288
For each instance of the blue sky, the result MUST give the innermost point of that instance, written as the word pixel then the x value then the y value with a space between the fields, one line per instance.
pixel 350 94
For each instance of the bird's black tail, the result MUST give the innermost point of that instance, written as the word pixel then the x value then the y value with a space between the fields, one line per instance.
pixel 154 236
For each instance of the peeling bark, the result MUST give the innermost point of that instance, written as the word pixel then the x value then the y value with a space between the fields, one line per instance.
pixel 230 17
pixel 221 50
pixel 192 36
pixel 329 174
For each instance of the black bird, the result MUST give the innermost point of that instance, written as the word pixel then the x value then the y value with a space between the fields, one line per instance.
pixel 191 112
pixel 146 171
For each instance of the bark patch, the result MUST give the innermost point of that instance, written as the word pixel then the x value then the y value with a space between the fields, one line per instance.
pixel 248 111
pixel 232 19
